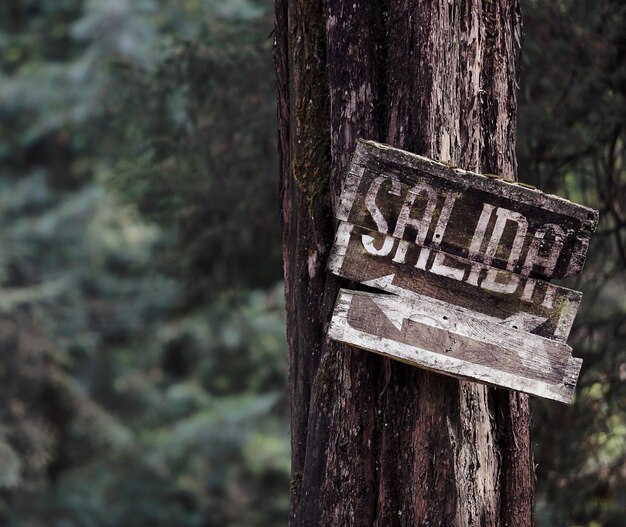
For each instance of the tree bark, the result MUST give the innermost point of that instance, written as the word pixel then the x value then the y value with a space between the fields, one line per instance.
pixel 376 442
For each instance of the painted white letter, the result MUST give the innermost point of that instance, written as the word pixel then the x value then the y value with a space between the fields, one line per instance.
pixel 381 222
pixel 490 283
pixel 477 241
pixel 548 263
pixel 421 225
pixel 370 200
pixel 439 267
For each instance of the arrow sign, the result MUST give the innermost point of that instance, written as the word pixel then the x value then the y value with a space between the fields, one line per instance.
pixel 414 331
pixel 548 311
pixel 466 259
pixel 531 350
pixel 521 320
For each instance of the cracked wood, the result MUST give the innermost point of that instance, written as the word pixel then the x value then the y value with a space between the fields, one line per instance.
pixel 482 218
pixel 360 255
pixel 456 343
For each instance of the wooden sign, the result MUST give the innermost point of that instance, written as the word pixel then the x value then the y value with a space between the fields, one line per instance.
pixel 462 243
pixel 454 342
pixel 533 305
pixel 481 218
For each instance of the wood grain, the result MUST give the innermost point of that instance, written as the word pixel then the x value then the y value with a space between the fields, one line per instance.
pixel 377 442
pixel 442 339
pixel 548 311
pixel 479 217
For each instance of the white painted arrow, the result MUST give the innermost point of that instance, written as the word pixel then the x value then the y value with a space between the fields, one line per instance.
pixel 385 282
pixel 395 316
pixel 550 371
pixel 530 348
pixel 520 320
pixel 524 321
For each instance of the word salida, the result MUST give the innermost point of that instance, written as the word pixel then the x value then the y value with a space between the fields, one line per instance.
pixel 540 254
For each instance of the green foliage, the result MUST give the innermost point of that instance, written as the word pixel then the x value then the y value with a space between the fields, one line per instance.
pixel 572 141
pixel 139 385
pixel 207 162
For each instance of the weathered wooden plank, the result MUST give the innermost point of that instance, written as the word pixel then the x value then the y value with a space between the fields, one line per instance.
pixel 464 254
pixel 449 341
pixel 484 219
pixel 507 298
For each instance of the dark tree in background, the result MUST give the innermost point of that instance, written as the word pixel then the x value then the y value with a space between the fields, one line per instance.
pixel 572 141
pixel 142 367
pixel 375 442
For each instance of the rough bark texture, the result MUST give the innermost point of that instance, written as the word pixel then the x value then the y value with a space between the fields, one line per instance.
pixel 376 442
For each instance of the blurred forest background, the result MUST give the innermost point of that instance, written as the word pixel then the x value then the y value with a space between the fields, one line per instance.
pixel 142 346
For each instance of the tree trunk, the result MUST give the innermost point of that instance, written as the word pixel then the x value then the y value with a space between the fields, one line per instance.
pixel 376 442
